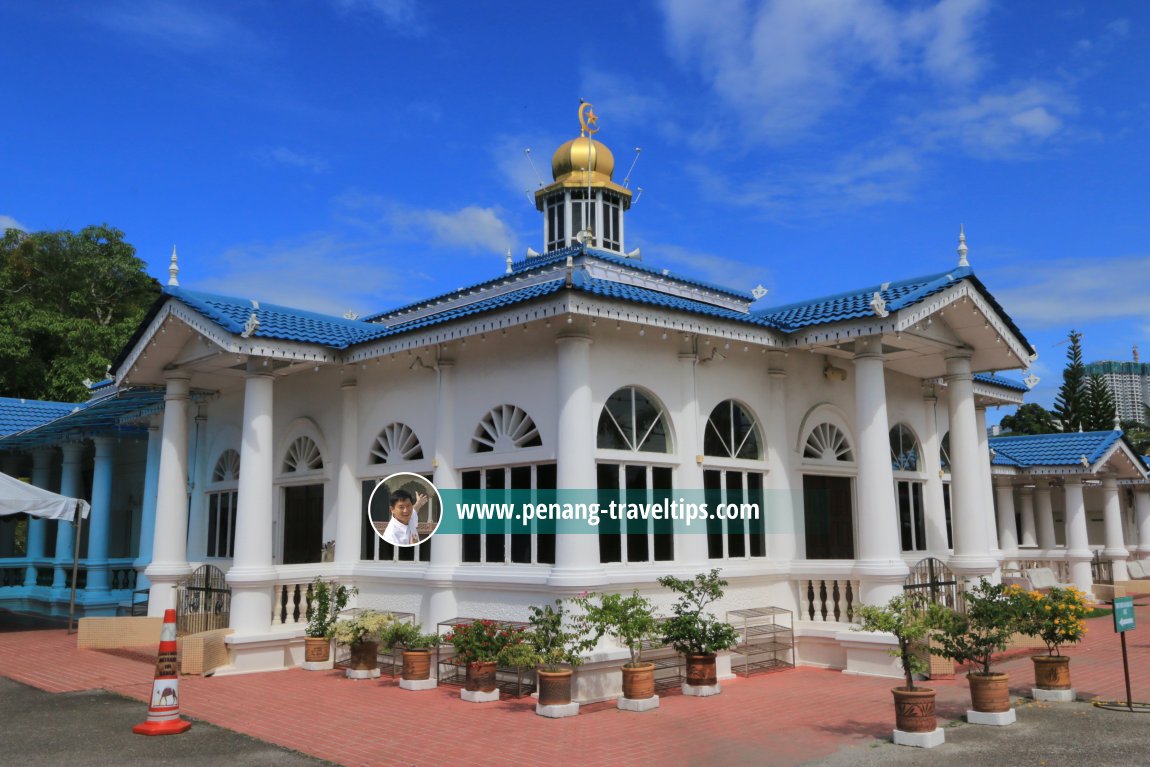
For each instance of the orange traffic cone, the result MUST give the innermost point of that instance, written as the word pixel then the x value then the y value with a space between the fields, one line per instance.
pixel 164 708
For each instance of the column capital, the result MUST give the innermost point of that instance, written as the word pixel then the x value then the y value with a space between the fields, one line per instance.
pixel 958 366
pixel 349 383
pixel 868 348
pixel 104 446
pixel 1026 490
pixel 573 336
pixel 1109 481
pixel 72 451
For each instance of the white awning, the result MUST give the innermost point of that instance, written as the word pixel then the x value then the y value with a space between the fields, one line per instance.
pixel 18 497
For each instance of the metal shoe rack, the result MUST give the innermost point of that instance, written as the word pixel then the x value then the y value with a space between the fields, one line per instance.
pixel 515 681
pixel 766 639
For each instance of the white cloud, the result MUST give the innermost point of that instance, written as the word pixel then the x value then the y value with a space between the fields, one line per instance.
pixel 472 228
pixel 1062 293
pixel 708 267
pixel 320 272
pixel 284 156
pixel 782 65
pixel 175 24
pixel 401 15
pixel 7 222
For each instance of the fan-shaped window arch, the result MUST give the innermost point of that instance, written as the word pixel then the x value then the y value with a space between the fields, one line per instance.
pixel 732 432
pixel 826 442
pixel 633 421
pixel 395 443
pixel 905 454
pixel 227 467
pixel 505 428
pixel 302 455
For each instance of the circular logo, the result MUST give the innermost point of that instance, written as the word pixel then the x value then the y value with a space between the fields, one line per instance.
pixel 408 509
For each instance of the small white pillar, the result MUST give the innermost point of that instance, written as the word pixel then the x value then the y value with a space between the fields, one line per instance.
pixel 148 503
pixel 968 513
pixel 690 547
pixel 880 567
pixel 1029 536
pixel 1078 552
pixel 1142 519
pixel 348 522
pixel 1115 549
pixel 170 543
pixel 446 550
pixel 1007 530
pixel 1044 509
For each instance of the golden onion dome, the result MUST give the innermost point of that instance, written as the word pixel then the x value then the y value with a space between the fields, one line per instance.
pixel 571 159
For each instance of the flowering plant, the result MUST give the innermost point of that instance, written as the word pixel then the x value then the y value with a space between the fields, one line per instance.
pixel 555 642
pixel 993 615
pixel 1057 618
pixel 367 626
pixel 482 641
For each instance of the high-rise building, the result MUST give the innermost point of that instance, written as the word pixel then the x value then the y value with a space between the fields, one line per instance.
pixel 1129 382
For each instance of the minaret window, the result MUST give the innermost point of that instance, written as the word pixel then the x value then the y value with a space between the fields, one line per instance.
pixel 612 235
pixel 556 232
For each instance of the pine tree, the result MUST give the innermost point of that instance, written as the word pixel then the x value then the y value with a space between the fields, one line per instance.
pixel 1070 405
pixel 1100 409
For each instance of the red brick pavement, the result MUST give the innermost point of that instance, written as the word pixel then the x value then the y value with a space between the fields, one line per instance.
pixel 783 718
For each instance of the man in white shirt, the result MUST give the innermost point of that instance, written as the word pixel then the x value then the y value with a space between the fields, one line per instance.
pixel 403 528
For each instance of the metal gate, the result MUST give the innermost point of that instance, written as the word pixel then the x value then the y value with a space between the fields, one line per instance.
pixel 934 582
pixel 203 602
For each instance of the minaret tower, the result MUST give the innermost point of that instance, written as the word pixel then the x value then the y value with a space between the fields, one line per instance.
pixel 583 204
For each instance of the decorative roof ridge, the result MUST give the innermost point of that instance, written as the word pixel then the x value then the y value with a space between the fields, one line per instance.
pixel 1058 434
pixel 1003 381
pixel 952 275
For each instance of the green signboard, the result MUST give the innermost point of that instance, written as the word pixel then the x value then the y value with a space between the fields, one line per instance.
pixel 1123 613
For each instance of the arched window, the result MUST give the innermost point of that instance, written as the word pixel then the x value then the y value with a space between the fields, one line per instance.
pixel 222 498
pixel 944 453
pixel 826 442
pixel 394 444
pixel 904 451
pixel 505 428
pixel 302 455
pixel 732 432
pixel 227 467
pixel 632 421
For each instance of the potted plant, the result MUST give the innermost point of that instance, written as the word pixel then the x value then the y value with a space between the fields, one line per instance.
pixel 362 633
pixel 695 632
pixel 1057 618
pixel 909 620
pixel 991 618
pixel 631 620
pixel 416 646
pixel 559 652
pixel 478 646
pixel 328 599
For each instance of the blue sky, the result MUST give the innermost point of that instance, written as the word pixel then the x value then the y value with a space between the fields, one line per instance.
pixel 359 154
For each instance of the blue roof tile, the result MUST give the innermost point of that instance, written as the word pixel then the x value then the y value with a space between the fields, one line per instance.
pixel 656 298
pixel 1052 449
pixel 19 414
pixel 1003 381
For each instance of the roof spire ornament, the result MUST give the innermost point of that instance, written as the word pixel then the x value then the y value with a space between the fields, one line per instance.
pixel 509 262
pixel 962 247
pixel 174 269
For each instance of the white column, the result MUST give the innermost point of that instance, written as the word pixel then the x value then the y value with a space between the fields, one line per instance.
pixel 348 523
pixel 446 550
pixel 148 503
pixel 879 567
pixel 783 502
pixel 100 517
pixel 1142 518
pixel 986 484
pixel 1029 539
pixel 576 554
pixel 1077 545
pixel 170 542
pixel 1115 550
pixel 71 486
pixel 968 516
pixel 1045 512
pixel 935 511
pixel 691 547
pixel 253 572
pixel 41 477
pixel 1007 529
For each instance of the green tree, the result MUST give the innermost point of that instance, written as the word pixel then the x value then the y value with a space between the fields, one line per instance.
pixel 69 301
pixel 1100 409
pixel 1030 418
pixel 1070 405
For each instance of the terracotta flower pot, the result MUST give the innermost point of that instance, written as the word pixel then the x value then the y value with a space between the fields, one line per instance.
pixel 364 656
pixel 416 665
pixel 1051 672
pixel 639 681
pixel 701 669
pixel 989 693
pixel 480 676
pixel 554 687
pixel 914 709
pixel 316 649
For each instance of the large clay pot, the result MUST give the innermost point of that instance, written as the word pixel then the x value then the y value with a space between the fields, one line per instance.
pixel 554 687
pixel 416 665
pixel 914 709
pixel 701 670
pixel 639 681
pixel 1051 672
pixel 364 656
pixel 480 676
pixel 989 693
pixel 316 649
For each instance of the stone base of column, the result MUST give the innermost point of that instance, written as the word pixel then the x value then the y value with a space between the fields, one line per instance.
pixel 627 704
pixel 930 739
pixel 995 718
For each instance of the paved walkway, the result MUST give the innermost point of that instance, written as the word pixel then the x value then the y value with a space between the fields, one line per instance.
pixel 784 718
